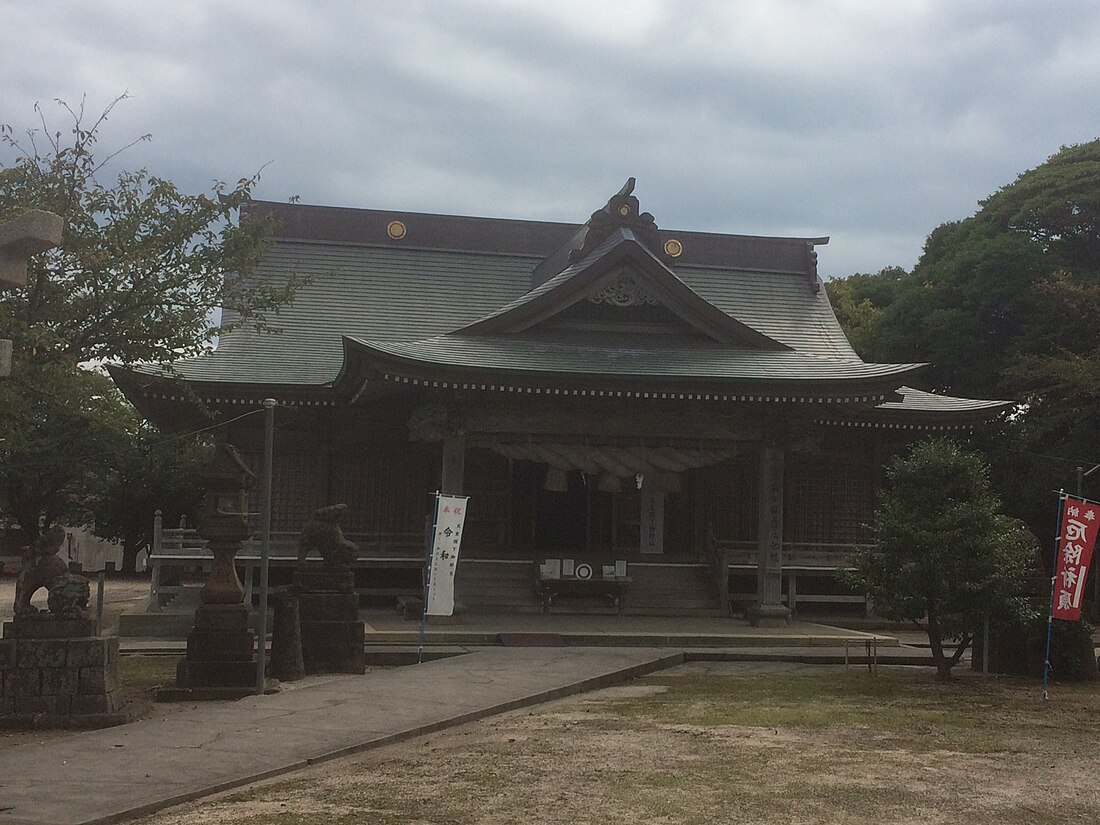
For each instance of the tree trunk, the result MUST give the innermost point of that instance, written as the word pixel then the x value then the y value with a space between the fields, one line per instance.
pixel 935 641
pixel 130 551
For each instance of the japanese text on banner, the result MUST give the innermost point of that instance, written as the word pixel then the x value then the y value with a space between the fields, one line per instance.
pixel 449 520
pixel 1080 520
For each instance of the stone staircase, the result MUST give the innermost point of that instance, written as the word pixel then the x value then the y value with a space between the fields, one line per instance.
pixel 495 586
pixel 656 589
pixel 659 589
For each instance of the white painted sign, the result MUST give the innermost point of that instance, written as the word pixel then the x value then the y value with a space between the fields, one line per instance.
pixel 653 521
pixel 450 516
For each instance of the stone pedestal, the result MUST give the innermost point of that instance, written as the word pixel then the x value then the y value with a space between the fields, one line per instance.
pixel 59 673
pixel 769 615
pixel 333 635
pixel 287 664
pixel 220 658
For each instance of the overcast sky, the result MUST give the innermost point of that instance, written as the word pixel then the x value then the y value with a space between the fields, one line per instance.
pixel 871 122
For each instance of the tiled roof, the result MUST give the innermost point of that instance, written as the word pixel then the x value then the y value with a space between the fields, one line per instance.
pixel 381 292
pixel 721 364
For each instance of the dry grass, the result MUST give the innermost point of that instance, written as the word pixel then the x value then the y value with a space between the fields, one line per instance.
pixel 702 744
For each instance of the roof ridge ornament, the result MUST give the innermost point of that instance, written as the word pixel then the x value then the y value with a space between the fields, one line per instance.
pixel 621 211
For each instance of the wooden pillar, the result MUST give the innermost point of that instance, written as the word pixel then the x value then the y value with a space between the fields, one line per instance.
pixel 769 610
pixel 454 462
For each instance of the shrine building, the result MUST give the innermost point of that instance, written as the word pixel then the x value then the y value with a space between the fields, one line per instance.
pixel 682 403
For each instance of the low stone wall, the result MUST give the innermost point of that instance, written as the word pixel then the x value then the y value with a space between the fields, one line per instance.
pixel 59 673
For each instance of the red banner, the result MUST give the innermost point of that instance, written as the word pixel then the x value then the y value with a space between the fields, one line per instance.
pixel 1080 520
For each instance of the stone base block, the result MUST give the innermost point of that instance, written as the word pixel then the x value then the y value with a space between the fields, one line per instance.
pixel 222 617
pixel 220 645
pixel 328 607
pixel 48 681
pixel 324 579
pixel 333 647
pixel 84 721
pixel 769 615
pixel 219 650
pixel 47 626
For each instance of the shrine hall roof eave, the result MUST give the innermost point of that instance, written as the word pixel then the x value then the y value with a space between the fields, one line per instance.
pixel 526 366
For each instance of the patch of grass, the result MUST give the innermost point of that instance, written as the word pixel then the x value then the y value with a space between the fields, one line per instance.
pixel 141 674
pixel 974 715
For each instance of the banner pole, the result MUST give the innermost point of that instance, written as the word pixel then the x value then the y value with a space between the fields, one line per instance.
pixel 1053 578
pixel 427 578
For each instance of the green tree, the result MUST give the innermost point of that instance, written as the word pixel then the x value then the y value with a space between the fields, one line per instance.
pixel 140 271
pixel 1004 304
pixel 141 265
pixel 945 555
pixel 54 429
pixel 980 300
pixel 146 471
pixel 860 301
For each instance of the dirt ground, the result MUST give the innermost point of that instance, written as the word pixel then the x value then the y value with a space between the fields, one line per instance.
pixel 117 594
pixel 709 743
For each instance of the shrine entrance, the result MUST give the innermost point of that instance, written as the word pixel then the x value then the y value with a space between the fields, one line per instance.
pixel 564 513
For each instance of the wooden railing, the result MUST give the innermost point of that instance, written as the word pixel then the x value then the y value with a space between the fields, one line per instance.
pixel 183 547
pixel 797 555
pixel 801 560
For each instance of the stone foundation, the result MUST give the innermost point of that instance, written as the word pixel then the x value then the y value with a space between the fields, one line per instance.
pixel 219 651
pixel 59 673
pixel 333 635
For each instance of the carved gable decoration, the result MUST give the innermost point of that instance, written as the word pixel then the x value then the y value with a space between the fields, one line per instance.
pixel 622 291
pixel 621 211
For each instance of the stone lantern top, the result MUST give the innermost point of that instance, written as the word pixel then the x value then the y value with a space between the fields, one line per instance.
pixel 28 234
pixel 226 473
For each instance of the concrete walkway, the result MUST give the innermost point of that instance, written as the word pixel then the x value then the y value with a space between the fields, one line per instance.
pixel 117 773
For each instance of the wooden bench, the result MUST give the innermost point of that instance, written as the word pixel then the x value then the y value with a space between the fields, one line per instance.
pixel 613 589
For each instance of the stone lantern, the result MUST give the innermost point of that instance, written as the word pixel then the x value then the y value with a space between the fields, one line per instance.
pixel 224 522
pixel 220 663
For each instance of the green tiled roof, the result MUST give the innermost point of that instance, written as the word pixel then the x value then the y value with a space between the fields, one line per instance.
pixel 394 294
pixel 722 364
pixel 399 304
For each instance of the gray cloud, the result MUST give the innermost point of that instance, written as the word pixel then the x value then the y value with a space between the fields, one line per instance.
pixel 871 122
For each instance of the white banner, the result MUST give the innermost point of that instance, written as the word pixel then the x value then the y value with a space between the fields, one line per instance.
pixel 450 516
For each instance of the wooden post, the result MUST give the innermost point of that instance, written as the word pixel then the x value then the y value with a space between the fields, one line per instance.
pixel 152 561
pixel 769 611
pixel 454 461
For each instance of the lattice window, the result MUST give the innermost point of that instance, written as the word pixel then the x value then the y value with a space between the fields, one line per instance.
pixel 828 500
pixel 727 497
pixel 297 488
pixel 387 491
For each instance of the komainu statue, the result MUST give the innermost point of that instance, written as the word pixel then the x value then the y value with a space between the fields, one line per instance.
pixel 43 567
pixel 322 534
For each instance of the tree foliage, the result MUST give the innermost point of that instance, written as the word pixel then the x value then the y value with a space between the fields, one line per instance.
pixel 1004 304
pixel 859 302
pixel 146 472
pixel 141 265
pixel 139 274
pixel 944 553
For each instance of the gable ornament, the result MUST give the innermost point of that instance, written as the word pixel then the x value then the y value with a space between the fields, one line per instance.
pixel 622 291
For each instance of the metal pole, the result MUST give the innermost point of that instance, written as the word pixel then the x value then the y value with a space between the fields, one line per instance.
pixel 99 599
pixel 427 579
pixel 265 542
pixel 1050 612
